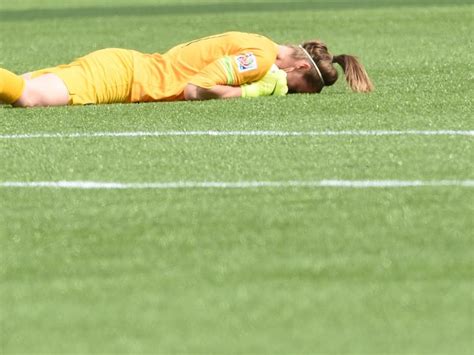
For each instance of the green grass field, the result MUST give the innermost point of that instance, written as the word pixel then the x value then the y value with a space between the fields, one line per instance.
pixel 248 270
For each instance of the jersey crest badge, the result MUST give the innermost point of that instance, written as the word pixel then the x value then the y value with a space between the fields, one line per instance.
pixel 246 62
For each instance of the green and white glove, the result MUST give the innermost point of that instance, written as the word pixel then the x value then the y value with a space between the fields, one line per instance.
pixel 273 83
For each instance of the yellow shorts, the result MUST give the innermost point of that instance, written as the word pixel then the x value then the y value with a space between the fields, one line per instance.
pixel 104 76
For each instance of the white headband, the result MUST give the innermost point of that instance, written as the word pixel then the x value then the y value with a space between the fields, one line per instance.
pixel 314 63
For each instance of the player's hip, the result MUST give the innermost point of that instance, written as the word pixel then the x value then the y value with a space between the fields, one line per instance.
pixel 103 76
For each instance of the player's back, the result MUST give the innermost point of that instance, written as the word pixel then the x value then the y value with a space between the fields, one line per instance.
pixel 163 77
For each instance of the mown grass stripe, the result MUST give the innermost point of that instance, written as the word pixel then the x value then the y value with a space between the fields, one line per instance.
pixel 240 133
pixel 237 184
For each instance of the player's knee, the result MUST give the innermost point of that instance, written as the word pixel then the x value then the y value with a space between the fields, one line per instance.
pixel 29 97
pixel 44 92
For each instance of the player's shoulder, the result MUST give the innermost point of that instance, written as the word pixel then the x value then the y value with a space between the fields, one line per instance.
pixel 242 34
pixel 253 41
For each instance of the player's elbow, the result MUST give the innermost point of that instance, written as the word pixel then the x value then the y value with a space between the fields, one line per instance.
pixel 191 92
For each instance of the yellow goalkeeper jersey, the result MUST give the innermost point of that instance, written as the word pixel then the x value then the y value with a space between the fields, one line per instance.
pixel 121 75
pixel 232 58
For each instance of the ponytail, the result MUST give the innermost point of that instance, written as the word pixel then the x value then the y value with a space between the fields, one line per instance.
pixel 356 76
pixel 325 73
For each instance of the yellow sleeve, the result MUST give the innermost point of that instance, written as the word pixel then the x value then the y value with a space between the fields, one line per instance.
pixel 234 70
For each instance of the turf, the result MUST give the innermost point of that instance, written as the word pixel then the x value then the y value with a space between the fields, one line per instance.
pixel 270 270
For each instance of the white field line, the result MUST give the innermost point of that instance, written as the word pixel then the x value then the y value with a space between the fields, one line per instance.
pixel 239 133
pixel 237 185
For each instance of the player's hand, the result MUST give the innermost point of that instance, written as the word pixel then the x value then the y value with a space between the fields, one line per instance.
pixel 273 83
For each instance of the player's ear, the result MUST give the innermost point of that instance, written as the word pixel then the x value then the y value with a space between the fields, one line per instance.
pixel 300 65
pixel 303 65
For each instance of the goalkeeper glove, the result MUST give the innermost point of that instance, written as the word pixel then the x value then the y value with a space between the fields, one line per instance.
pixel 273 83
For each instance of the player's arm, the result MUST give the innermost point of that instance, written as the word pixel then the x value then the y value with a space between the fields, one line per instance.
pixel 245 75
pixel 273 83
pixel 194 92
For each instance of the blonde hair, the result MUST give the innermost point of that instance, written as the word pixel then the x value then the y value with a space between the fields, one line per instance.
pixel 325 74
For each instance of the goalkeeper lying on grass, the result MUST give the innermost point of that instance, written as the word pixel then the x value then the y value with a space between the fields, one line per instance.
pixel 226 65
